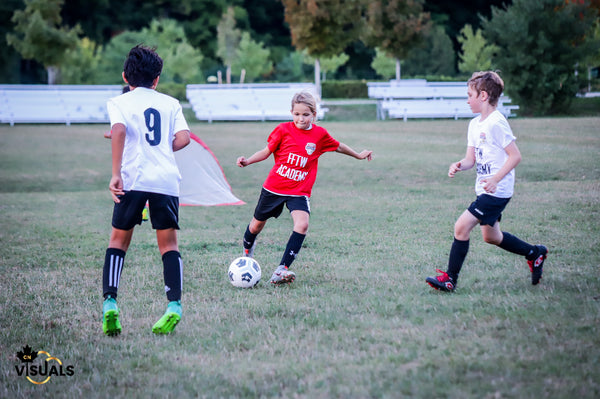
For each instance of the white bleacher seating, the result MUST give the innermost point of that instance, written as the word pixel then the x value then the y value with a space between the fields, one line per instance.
pixel 417 98
pixel 246 102
pixel 55 103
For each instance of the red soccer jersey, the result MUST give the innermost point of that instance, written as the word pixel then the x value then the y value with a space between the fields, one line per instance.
pixel 296 154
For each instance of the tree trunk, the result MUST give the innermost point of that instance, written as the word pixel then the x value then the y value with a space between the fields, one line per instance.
pixel 398 69
pixel 52 74
pixel 318 76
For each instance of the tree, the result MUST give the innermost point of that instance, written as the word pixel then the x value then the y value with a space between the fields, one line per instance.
pixel 396 27
pixel 329 64
pixel 322 28
pixel 81 63
pixel 435 57
pixel 384 65
pixel 476 53
pixel 181 60
pixel 291 68
pixel 252 57
pixel 540 42
pixel 228 40
pixel 38 35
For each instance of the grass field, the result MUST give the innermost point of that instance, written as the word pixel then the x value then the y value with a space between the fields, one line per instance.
pixel 358 322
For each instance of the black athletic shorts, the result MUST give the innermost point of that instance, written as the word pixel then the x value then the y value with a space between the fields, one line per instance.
pixel 488 209
pixel 270 205
pixel 164 210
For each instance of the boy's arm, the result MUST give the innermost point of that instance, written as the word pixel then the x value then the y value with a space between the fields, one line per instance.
pixel 514 157
pixel 258 156
pixel 344 149
pixel 464 164
pixel 182 139
pixel 118 144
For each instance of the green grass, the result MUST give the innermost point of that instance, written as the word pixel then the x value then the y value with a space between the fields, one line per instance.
pixel 359 321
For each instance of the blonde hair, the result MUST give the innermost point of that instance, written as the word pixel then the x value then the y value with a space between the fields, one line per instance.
pixel 488 81
pixel 305 98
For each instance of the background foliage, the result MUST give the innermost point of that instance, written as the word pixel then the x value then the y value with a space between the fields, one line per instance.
pixel 544 69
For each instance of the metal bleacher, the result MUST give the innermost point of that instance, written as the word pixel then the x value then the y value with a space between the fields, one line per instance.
pixel 246 102
pixel 55 103
pixel 417 98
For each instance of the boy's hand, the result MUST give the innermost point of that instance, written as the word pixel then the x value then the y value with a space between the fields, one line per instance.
pixel 116 188
pixel 455 167
pixel 490 185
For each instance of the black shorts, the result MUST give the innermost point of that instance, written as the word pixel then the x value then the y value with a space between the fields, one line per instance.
pixel 488 209
pixel 270 205
pixel 164 210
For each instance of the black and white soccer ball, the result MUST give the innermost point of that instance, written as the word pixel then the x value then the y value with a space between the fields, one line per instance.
pixel 244 272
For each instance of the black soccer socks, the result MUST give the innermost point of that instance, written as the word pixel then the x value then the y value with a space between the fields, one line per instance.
pixel 517 246
pixel 111 274
pixel 293 247
pixel 173 275
pixel 458 253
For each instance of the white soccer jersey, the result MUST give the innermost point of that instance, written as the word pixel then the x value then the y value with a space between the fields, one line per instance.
pixel 490 137
pixel 151 119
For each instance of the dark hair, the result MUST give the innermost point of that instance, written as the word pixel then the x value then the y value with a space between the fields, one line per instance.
pixel 142 66
pixel 490 82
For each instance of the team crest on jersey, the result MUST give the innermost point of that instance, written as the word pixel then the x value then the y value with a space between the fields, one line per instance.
pixel 310 148
pixel 482 137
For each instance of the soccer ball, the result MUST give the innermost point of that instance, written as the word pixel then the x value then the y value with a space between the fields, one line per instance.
pixel 244 272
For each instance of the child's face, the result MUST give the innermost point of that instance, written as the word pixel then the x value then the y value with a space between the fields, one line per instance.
pixel 474 100
pixel 302 116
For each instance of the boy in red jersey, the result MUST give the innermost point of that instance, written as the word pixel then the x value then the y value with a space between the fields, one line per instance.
pixel 296 147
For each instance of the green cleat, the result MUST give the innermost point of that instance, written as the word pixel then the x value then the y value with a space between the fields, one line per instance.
pixel 111 325
pixel 166 324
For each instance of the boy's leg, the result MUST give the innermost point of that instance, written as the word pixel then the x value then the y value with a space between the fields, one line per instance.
pixel 173 279
pixel 535 254
pixel 111 277
pixel 446 281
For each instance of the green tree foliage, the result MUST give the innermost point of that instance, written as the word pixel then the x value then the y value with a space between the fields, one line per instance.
pixel 435 57
pixel 181 60
pixel 10 66
pixel 253 57
pixel 228 38
pixel 39 35
pixel 329 64
pixel 396 26
pixel 81 63
pixel 476 54
pixel 540 43
pixel 291 68
pixel 384 65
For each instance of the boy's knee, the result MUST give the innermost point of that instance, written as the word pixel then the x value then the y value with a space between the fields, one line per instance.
pixel 301 227
pixel 492 240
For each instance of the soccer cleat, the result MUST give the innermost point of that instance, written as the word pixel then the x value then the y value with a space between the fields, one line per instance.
pixel 249 252
pixel 166 324
pixel 110 317
pixel 282 275
pixel 145 214
pixel 536 265
pixel 443 282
